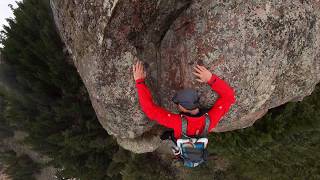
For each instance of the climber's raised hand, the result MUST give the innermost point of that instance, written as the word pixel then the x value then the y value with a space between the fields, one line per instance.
pixel 202 73
pixel 138 71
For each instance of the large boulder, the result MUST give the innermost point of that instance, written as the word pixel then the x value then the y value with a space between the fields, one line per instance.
pixel 268 51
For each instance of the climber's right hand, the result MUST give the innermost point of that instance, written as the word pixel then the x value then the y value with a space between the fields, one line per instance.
pixel 202 73
pixel 138 71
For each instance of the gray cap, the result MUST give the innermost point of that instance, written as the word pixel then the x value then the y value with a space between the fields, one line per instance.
pixel 187 98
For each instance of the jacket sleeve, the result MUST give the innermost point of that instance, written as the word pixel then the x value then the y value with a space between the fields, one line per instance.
pixel 153 111
pixel 225 100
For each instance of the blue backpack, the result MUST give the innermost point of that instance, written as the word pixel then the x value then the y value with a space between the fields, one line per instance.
pixel 193 150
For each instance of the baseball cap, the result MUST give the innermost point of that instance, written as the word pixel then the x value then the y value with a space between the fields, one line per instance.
pixel 187 98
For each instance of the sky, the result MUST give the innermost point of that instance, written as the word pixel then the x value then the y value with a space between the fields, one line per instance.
pixel 5 11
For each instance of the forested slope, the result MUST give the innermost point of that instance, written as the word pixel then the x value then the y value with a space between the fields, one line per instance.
pixel 44 95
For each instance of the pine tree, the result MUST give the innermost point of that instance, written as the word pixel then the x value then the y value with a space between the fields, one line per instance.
pixel 46 97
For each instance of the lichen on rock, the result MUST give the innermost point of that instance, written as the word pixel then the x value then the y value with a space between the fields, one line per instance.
pixel 268 51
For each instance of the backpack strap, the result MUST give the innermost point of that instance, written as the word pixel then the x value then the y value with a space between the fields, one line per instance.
pixel 206 127
pixel 184 126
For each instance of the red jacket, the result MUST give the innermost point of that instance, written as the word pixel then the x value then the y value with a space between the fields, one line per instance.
pixel 195 124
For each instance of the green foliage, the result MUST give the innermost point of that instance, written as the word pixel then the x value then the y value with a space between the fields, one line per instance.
pixel 19 167
pixel 282 145
pixel 5 129
pixel 146 166
pixel 45 96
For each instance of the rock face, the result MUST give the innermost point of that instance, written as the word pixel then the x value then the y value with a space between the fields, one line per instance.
pixel 268 51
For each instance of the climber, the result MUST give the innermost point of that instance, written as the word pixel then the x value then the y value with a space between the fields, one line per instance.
pixel 187 101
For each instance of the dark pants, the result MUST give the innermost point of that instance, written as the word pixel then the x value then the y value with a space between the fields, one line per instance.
pixel 168 135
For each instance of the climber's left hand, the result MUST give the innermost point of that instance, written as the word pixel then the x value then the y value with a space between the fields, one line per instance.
pixel 138 71
pixel 202 73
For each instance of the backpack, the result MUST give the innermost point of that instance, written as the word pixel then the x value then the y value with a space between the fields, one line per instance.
pixel 193 150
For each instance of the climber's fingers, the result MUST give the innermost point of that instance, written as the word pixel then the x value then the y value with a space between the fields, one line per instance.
pixel 136 66
pixel 138 63
pixel 142 67
pixel 199 80
pixel 138 70
pixel 203 68
pixel 139 67
pixel 197 69
pixel 197 74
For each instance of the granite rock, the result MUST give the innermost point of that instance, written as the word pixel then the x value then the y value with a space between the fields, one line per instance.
pixel 268 51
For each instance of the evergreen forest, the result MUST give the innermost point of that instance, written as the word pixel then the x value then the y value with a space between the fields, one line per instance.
pixel 42 94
